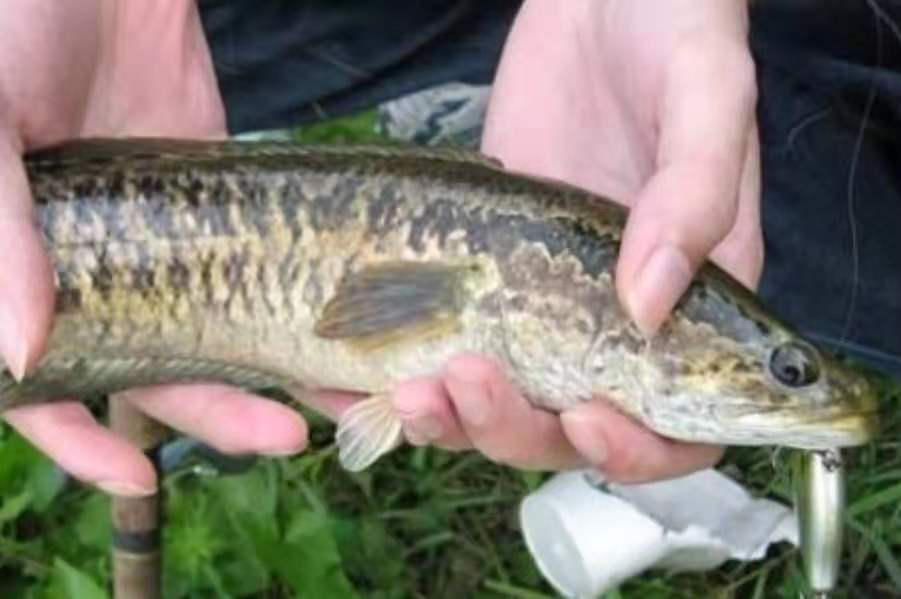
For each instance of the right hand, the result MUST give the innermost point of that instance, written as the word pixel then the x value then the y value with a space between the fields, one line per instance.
pixel 648 103
pixel 102 68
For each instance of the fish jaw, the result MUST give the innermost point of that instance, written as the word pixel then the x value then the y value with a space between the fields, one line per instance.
pixel 765 428
pixel 748 421
pixel 846 431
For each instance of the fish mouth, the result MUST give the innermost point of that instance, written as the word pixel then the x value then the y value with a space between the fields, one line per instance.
pixel 858 427
pixel 846 429
pixel 830 432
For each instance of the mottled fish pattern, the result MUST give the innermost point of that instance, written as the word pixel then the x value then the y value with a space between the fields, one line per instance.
pixel 356 267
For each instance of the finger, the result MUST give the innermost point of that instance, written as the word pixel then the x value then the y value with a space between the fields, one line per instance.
pixel 69 435
pixel 225 418
pixel 741 252
pixel 428 414
pixel 501 423
pixel 627 452
pixel 690 204
pixel 26 280
pixel 423 405
pixel 329 402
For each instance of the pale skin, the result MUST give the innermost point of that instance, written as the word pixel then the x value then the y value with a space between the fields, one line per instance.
pixel 673 87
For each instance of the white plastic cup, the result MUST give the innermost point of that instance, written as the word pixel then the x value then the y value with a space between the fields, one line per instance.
pixel 584 541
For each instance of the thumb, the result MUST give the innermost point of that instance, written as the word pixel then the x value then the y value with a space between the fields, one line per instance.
pixel 690 204
pixel 26 281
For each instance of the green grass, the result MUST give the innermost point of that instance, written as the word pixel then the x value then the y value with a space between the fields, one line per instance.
pixel 422 523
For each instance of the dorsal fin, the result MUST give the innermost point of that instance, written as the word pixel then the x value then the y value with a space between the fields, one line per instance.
pixel 97 152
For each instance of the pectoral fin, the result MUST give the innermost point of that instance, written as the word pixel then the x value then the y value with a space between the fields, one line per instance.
pixel 367 431
pixel 394 302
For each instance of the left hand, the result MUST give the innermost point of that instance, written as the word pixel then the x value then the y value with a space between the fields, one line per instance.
pixel 104 68
pixel 651 104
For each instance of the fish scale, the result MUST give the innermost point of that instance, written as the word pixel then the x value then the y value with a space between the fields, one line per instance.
pixel 357 267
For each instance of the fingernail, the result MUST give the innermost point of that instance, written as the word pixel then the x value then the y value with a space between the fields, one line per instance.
pixel 471 400
pixel 123 489
pixel 658 286
pixel 423 431
pixel 583 434
pixel 12 344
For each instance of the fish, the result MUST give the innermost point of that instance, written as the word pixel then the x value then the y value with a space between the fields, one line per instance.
pixel 305 267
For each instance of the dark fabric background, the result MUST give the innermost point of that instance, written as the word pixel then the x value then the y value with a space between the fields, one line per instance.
pixel 816 64
pixel 287 62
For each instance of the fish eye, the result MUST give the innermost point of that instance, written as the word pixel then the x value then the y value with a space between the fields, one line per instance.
pixel 794 365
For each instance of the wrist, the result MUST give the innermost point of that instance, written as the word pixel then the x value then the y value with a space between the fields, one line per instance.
pixel 155 73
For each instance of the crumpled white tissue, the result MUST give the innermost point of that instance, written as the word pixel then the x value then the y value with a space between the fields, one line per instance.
pixel 587 536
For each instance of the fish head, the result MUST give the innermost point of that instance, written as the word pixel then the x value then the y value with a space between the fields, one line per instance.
pixel 796 394
pixel 738 375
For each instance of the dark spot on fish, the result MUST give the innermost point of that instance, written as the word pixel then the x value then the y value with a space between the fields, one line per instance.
pixel 214 214
pixel 332 208
pixel 179 274
pixel 289 201
pixel 68 299
pixel 143 279
pixel 382 210
pixel 518 302
pixel 102 277
pixel 233 269
pixel 206 280
pixel 261 275
pixel 193 189
pixel 583 327
pixel 624 339
pixel 763 327
pixel 741 367
pixel 478 234
pixel 438 219
pixel 151 185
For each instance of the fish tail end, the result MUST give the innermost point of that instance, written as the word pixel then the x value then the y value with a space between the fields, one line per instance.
pixel 367 431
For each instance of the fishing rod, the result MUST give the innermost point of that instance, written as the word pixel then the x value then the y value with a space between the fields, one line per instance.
pixel 137 521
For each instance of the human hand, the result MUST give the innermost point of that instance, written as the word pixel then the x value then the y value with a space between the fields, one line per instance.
pixel 90 68
pixel 651 104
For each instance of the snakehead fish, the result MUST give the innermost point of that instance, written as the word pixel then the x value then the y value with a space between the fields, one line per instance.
pixel 357 267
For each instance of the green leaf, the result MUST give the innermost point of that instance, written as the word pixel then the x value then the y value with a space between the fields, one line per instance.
pixel 868 503
pixel 68 582
pixel 357 127
pixel 93 524
pixel 23 466
pixel 11 507
pixel 309 560
pixel 45 481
